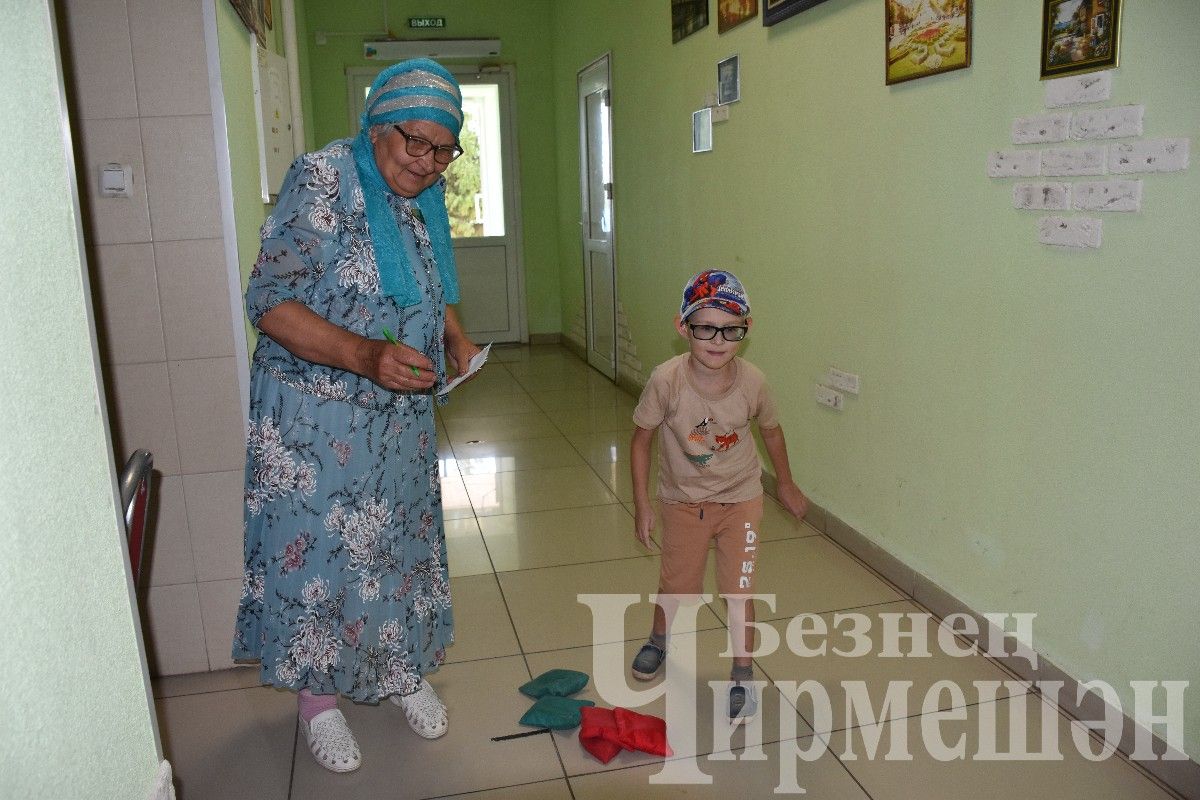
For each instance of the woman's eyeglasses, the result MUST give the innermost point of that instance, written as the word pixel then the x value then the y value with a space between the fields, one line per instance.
pixel 730 333
pixel 416 147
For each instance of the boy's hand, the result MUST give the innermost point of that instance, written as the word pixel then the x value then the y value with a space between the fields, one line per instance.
pixel 643 523
pixel 793 499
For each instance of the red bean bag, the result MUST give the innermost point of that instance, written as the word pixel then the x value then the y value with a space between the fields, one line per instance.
pixel 604 732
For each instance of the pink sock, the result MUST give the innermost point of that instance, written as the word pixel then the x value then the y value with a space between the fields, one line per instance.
pixel 313 704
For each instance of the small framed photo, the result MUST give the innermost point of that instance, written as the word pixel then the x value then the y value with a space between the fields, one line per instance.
pixel 731 13
pixel 702 130
pixel 729 81
pixel 1079 36
pixel 687 17
pixel 779 10
pixel 926 38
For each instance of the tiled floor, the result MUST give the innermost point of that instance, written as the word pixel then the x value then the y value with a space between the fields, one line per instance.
pixel 535 466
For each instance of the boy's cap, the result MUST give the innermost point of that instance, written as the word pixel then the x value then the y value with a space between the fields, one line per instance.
pixel 714 288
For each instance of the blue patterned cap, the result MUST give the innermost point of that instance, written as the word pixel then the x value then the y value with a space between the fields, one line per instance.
pixel 419 88
pixel 714 288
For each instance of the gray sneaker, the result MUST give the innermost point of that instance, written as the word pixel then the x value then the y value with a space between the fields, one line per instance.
pixel 648 661
pixel 743 703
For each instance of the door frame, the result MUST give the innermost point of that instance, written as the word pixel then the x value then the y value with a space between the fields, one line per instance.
pixel 604 59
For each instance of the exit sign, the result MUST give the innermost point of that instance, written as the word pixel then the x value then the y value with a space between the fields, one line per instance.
pixel 426 22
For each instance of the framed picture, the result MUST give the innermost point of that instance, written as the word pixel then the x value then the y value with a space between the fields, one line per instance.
pixel 729 81
pixel 250 12
pixel 702 130
pixel 926 38
pixel 1079 36
pixel 779 10
pixel 687 17
pixel 731 13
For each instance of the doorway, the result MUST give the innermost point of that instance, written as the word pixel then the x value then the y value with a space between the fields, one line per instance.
pixel 481 198
pixel 596 220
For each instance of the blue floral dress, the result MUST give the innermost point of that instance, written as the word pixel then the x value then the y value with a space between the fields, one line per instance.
pixel 345 586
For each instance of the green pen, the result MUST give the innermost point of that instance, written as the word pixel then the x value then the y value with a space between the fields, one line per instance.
pixel 388 335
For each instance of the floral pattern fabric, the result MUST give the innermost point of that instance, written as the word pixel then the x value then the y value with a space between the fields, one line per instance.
pixel 345 586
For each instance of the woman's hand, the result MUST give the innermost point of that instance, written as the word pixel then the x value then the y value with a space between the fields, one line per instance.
pixel 395 366
pixel 459 349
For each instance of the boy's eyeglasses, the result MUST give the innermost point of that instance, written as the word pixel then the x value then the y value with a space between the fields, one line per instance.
pixel 416 147
pixel 730 333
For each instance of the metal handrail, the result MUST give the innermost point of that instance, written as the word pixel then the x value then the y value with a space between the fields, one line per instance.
pixel 135 497
pixel 137 469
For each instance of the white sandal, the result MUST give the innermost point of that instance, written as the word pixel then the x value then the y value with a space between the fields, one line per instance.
pixel 331 742
pixel 425 712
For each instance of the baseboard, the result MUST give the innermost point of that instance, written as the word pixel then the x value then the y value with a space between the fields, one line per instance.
pixel 545 338
pixel 1181 776
pixel 578 348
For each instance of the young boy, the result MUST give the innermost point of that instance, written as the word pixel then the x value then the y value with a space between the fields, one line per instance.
pixel 709 473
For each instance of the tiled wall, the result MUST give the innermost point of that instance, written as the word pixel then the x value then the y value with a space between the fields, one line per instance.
pixel 138 82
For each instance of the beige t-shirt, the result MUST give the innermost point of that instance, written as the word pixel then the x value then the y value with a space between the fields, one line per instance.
pixel 706 452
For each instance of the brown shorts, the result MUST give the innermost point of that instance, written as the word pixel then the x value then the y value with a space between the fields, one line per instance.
pixel 688 528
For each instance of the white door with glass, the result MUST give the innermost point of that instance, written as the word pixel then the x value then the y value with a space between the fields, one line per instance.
pixel 481 197
pixel 596 222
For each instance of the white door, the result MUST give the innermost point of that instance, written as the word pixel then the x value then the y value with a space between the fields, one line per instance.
pixel 481 197
pixel 596 222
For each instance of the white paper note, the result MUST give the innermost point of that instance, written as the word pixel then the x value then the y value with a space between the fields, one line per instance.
pixel 477 362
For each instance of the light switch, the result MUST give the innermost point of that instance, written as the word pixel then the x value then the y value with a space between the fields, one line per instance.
pixel 116 180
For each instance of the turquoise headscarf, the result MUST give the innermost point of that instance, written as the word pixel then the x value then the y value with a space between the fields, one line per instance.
pixel 418 89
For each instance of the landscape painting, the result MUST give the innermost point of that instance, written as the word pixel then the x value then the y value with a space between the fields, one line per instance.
pixel 1079 36
pixel 926 37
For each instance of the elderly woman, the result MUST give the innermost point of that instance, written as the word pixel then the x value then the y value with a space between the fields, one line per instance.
pixel 345 588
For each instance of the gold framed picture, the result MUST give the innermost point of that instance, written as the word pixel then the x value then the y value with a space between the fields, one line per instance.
pixel 1079 36
pixel 926 38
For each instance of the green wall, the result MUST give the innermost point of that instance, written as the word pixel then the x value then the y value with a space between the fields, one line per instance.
pixel 1026 433
pixel 523 28
pixel 78 719
pixel 237 84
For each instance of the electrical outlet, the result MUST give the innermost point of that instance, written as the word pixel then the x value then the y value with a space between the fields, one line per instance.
pixel 846 381
pixel 828 397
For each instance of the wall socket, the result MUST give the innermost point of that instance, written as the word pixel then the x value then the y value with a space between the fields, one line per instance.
pixel 828 397
pixel 846 381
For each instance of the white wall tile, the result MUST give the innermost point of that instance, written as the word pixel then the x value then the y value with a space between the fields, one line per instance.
pixel 181 176
pixel 167 553
pixel 1065 161
pixel 174 630
pixel 1042 196
pixel 101 58
pixel 169 57
pixel 1107 123
pixel 1070 231
pixel 1116 195
pixel 1091 88
pixel 1149 155
pixel 195 298
pixel 143 417
pixel 1042 128
pixel 126 303
pixel 113 220
pixel 1013 163
pixel 214 506
pixel 219 606
pixel 208 415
